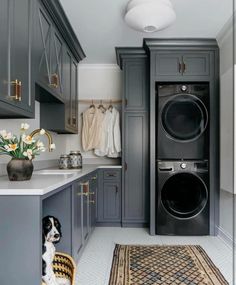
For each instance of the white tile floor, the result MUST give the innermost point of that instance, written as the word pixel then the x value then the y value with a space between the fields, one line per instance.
pixel 95 262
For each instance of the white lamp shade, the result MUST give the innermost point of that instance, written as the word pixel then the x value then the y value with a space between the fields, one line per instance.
pixel 149 15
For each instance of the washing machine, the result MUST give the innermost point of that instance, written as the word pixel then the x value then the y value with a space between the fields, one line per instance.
pixel 182 121
pixel 182 198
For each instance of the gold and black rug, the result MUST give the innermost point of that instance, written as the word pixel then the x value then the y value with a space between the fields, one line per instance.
pixel 163 265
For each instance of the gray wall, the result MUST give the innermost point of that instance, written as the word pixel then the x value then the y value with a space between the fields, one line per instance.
pixel 225 41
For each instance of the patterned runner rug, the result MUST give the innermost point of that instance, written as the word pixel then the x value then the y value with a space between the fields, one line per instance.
pixel 165 265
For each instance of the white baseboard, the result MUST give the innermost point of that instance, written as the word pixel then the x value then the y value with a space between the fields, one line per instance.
pixel 226 237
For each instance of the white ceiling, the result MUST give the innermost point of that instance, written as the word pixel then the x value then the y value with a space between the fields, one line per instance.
pixel 100 27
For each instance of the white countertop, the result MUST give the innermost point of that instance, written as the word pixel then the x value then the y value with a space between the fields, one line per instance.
pixel 41 183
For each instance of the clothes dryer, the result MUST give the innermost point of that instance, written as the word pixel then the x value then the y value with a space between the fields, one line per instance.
pixel 182 121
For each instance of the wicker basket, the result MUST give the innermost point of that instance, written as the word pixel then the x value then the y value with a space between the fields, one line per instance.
pixel 64 267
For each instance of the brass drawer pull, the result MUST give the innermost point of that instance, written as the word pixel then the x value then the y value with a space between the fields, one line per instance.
pixel 92 201
pixel 111 174
pixel 184 67
pixel 83 194
pixel 17 90
pixel 94 178
pixel 91 193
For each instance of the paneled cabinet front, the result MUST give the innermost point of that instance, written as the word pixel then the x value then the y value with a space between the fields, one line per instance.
pixel 182 64
pixel 109 197
pixel 16 18
pixel 135 87
pixel 135 198
pixel 48 55
pixel 77 238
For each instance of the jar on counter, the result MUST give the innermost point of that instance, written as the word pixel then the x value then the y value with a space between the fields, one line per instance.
pixel 75 159
pixel 64 161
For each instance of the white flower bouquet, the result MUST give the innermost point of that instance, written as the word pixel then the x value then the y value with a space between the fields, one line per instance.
pixel 22 147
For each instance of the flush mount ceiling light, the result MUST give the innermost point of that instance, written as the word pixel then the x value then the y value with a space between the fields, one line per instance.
pixel 149 15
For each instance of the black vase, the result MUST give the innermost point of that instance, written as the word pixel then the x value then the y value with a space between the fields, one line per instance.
pixel 19 169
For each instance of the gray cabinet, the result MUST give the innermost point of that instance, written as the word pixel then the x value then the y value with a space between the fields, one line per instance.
pixel 48 56
pixel 135 199
pixel 109 198
pixel 135 76
pixel 135 135
pixel 16 28
pixel 77 237
pixel 182 64
pixel 93 186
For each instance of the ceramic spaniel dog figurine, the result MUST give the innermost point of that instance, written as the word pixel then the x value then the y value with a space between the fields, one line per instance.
pixel 51 236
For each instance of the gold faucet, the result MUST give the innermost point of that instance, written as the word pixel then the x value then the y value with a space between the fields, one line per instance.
pixel 47 134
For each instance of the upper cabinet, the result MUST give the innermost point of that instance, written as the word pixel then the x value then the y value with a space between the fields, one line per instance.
pixel 182 59
pixel 135 89
pixel 16 89
pixel 48 55
pixel 184 64
pixel 39 57
pixel 57 54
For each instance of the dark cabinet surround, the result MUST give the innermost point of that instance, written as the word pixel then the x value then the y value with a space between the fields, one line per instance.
pixel 178 60
pixel 39 57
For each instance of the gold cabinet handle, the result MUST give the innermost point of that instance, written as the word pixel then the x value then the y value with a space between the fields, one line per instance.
pixel 94 178
pixel 54 80
pixel 91 193
pixel 92 201
pixel 184 67
pixel 17 89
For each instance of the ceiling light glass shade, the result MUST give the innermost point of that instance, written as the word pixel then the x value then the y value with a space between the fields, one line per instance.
pixel 149 15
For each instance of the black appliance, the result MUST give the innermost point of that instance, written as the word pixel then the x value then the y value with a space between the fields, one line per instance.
pixel 182 198
pixel 182 121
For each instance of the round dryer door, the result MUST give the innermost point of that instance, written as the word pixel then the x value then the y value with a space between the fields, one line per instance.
pixel 184 117
pixel 184 195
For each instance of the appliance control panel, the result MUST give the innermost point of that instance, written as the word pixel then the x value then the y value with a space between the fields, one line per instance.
pixel 186 165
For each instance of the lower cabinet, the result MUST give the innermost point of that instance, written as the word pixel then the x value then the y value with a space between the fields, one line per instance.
pixel 77 237
pixel 109 198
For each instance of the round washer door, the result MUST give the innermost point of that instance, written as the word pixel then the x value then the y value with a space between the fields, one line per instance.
pixel 184 195
pixel 184 117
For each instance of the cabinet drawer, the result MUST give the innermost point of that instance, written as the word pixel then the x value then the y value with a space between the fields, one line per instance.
pixel 111 174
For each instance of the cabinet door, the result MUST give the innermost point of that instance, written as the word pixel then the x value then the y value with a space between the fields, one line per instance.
pixel 74 96
pixel 93 200
pixel 77 221
pixel 111 202
pixel 4 49
pixel 43 47
pixel 136 190
pixel 196 64
pixel 67 88
pixel 135 93
pixel 20 51
pixel 168 64
pixel 56 63
pixel 86 222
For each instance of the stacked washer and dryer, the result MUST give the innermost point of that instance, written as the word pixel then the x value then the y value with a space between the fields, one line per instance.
pixel 182 159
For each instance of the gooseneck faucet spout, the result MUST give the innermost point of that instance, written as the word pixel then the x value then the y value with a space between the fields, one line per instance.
pixel 51 145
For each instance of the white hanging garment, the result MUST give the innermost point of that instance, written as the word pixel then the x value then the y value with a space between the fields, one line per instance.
pixel 91 131
pixel 102 148
pixel 114 137
pixel 110 139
